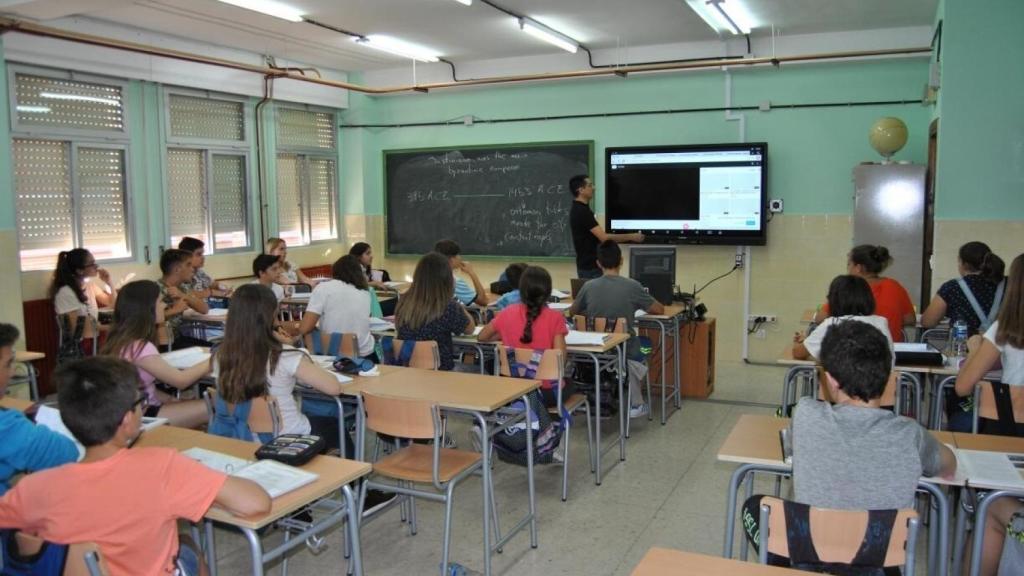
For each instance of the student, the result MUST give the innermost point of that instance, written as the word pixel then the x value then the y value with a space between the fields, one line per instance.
pixel 855 437
pixel 586 232
pixel 128 502
pixel 429 310
pixel 849 298
pixel 342 305
pixel 1003 341
pixel 974 298
pixel 364 253
pixel 201 283
pixel 176 267
pixel 290 273
pixel 1000 555
pixel 463 291
pixel 139 311
pixel 76 298
pixel 267 270
pixel 531 324
pixel 512 275
pixel 25 447
pixel 892 301
pixel 613 296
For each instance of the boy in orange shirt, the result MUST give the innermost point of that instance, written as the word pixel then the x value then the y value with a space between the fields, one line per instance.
pixel 127 501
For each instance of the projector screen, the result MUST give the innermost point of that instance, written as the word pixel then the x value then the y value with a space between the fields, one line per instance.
pixel 704 194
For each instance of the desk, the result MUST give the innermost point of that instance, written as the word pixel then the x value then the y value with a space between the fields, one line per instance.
pixel 668 325
pixel 27 358
pixel 665 562
pixel 479 397
pixel 754 444
pixel 334 474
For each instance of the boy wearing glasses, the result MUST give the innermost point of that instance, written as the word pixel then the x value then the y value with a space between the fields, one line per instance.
pixel 25 447
pixel 126 501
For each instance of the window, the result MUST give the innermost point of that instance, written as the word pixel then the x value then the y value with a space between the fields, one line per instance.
pixel 207 160
pixel 306 176
pixel 69 147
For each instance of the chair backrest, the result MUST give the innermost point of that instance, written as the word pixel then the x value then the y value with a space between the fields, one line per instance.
pixel 937 337
pixel 576 284
pixel 425 354
pixel 75 565
pixel 987 406
pixel 837 536
pixel 332 344
pixel 550 367
pixel 300 288
pixel 264 414
pixel 595 324
pixel 401 417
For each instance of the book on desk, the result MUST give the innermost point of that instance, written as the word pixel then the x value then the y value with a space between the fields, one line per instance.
pixel 274 477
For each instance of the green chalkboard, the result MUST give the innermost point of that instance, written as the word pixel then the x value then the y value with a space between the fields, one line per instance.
pixel 502 200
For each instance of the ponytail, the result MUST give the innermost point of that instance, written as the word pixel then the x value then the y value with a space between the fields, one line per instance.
pixel 993 268
pixel 534 291
pixel 978 258
pixel 66 274
pixel 874 259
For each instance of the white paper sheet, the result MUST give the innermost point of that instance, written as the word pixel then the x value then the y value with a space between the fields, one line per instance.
pixel 276 478
pixel 992 469
pixel 380 325
pixel 559 305
pixel 216 460
pixel 578 338
pixel 217 312
pixel 186 357
pixel 559 294
pixel 912 347
pixel 477 330
pixel 49 417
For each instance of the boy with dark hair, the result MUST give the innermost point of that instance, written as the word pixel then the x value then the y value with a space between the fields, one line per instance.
pixel 267 270
pixel 176 267
pixel 25 447
pixel 614 296
pixel 126 501
pixel 854 454
pixel 512 275
pixel 201 283
pixel 463 291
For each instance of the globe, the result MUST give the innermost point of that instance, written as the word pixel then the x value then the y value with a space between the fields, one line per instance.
pixel 888 136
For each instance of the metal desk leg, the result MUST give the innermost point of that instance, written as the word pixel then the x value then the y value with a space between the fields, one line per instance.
pixel 623 404
pixel 255 550
pixel 676 341
pixel 356 561
pixel 737 478
pixel 210 547
pixel 597 415
pixel 960 529
pixel 33 383
pixel 979 526
pixel 940 525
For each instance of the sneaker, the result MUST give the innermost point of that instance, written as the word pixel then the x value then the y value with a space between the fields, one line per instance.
pixel 449 441
pixel 558 456
pixel 639 411
pixel 375 500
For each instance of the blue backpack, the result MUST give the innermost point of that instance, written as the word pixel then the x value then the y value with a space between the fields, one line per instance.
pixel 235 424
pixel 510 443
pixel 387 346
pixel 48 561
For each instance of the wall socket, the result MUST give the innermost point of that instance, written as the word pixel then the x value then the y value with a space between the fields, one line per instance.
pixel 760 334
pixel 762 319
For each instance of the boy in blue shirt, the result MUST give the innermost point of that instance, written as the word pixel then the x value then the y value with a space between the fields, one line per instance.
pixel 25 447
pixel 512 275
pixel 463 291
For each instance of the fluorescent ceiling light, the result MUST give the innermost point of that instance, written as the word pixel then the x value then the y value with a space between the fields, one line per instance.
pixel 79 98
pixel 466 2
pixel 270 8
pixel 398 47
pixel 538 30
pixel 723 15
pixel 36 109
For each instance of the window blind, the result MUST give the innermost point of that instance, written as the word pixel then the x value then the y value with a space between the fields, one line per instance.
pixel 228 202
pixel 289 198
pixel 101 185
pixel 305 129
pixel 206 118
pixel 186 194
pixel 321 198
pixel 61 104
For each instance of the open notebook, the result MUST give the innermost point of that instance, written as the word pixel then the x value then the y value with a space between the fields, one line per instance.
pixel 996 470
pixel 186 357
pixel 276 478
pixel 578 338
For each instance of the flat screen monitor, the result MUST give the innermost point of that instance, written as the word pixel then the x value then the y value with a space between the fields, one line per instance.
pixel 703 194
pixel 655 268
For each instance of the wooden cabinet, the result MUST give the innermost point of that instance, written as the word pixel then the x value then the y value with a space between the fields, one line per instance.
pixel 697 350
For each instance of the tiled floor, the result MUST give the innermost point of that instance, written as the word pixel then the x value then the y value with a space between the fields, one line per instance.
pixel 668 492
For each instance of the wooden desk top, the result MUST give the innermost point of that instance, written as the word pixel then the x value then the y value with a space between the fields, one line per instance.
pixel 12 403
pixel 670 311
pixel 463 391
pixel 665 562
pixel 754 440
pixel 24 356
pixel 333 472
pixel 988 443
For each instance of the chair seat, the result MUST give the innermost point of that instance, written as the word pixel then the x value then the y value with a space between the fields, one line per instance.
pixel 414 463
pixel 570 404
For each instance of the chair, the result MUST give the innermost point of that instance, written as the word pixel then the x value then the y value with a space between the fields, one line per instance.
pixel 68 336
pixel 412 463
pixel 264 415
pixel 332 344
pixel 552 367
pixel 425 354
pixel 937 337
pixel 1002 406
pixel 83 559
pixel 597 324
pixel 837 536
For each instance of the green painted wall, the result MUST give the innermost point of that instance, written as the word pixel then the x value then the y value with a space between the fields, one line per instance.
pixel 812 150
pixel 7 221
pixel 981 126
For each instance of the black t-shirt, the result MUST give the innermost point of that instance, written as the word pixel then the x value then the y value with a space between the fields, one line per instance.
pixel 582 221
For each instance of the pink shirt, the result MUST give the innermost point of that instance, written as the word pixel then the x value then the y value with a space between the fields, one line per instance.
pixel 128 504
pixel 511 322
pixel 133 353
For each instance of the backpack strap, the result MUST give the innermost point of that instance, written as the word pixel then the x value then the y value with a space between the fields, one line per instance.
pixel 387 348
pixel 798 533
pixel 1006 425
pixel 984 320
pixel 405 354
pixel 877 534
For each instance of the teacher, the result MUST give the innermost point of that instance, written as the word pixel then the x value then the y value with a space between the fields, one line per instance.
pixel 586 232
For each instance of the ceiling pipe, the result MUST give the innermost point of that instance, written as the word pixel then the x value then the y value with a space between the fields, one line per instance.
pixel 13 25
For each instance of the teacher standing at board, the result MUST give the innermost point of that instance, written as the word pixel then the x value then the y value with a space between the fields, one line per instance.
pixel 586 232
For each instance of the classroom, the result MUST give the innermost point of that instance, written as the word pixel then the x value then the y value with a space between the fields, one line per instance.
pixel 753 163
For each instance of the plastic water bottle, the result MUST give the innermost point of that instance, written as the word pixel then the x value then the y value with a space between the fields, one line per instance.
pixel 959 340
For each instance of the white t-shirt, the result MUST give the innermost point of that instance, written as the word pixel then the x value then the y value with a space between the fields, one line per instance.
pixel 813 340
pixel 65 301
pixel 343 309
pixel 291 274
pixel 281 385
pixel 277 288
pixel 1013 358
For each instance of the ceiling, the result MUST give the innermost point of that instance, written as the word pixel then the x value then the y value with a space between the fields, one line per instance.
pixel 465 33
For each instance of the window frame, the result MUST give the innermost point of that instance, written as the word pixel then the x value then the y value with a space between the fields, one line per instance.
pixel 303 154
pixel 76 138
pixel 210 148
